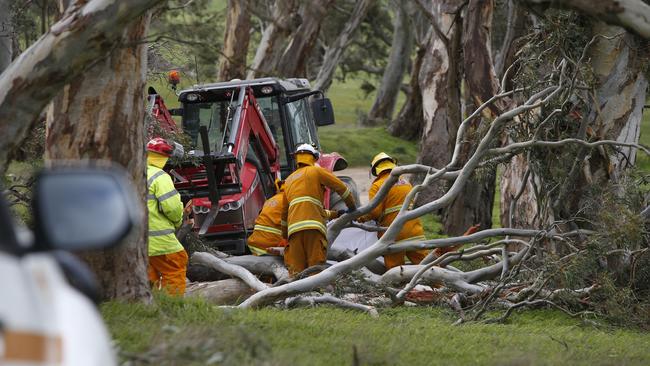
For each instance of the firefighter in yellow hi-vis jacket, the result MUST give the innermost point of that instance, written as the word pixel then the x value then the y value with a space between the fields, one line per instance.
pixel 167 258
pixel 384 213
pixel 304 214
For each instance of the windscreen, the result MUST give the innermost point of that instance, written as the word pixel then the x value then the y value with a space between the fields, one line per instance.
pixel 213 115
pixel 299 118
pixel 217 117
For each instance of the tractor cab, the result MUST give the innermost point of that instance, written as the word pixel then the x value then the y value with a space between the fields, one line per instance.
pixel 291 110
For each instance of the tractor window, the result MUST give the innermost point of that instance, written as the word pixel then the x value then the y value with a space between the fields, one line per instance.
pixel 302 126
pixel 211 115
pixel 271 111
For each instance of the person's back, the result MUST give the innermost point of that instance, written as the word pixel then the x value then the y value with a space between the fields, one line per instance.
pixel 167 257
pixel 387 210
pixel 305 192
pixel 304 212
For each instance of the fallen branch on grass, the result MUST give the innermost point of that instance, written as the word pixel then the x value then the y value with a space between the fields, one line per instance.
pixel 331 300
pixel 229 269
pixel 267 265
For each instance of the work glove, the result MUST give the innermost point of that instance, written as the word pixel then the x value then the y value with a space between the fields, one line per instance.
pixel 340 213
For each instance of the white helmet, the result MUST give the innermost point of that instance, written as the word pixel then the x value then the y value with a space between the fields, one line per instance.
pixel 308 148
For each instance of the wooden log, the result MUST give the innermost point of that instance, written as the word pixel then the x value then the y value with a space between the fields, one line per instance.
pixel 258 265
pixel 234 270
pixel 225 292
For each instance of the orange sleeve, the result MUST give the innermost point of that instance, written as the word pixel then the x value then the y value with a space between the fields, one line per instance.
pixel 330 180
pixel 284 203
pixel 376 212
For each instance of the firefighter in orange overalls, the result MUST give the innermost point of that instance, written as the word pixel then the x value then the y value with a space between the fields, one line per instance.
pixel 267 232
pixel 304 213
pixel 387 210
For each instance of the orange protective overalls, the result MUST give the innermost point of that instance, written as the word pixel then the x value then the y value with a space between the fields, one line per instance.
pixel 385 213
pixel 268 227
pixel 305 215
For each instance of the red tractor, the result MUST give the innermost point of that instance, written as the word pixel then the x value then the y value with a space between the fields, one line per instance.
pixel 243 133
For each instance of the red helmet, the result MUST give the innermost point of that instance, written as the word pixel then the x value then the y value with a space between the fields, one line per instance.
pixel 161 146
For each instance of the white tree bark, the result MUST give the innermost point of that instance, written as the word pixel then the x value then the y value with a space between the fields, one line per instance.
pixel 224 292
pixel 330 300
pixel 622 91
pixel 335 52
pixel 440 87
pixel 84 35
pixel 273 37
pixel 235 44
pixel 100 115
pixel 229 269
pixel 400 52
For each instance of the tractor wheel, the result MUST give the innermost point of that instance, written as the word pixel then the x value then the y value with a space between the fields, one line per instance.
pixel 336 203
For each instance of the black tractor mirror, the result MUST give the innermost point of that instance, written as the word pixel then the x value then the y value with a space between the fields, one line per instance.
pixel 322 111
pixel 83 208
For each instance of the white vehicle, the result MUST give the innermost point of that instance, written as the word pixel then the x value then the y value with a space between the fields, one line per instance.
pixel 44 320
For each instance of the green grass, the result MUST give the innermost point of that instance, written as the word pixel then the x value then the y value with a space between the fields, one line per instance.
pixel 349 101
pixel 433 228
pixel 190 332
pixel 359 145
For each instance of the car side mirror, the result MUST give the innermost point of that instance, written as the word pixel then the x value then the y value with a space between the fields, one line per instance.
pixel 83 208
pixel 322 111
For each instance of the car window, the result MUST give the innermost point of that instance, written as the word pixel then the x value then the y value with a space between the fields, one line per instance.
pixel 301 123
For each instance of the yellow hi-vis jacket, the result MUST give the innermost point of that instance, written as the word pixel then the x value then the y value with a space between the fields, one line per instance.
pixel 387 210
pixel 304 191
pixel 165 212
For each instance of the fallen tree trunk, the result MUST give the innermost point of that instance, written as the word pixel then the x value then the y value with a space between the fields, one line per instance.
pixel 224 292
pixel 200 270
pixel 234 270
pixel 434 276
pixel 339 255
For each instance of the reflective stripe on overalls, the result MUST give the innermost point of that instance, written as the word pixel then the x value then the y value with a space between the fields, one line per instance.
pixel 306 224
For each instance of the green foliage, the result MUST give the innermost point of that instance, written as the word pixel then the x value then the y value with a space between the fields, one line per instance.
pixel 432 226
pixel 188 36
pixel 371 46
pixel 616 258
pixel 30 19
pixel 192 332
